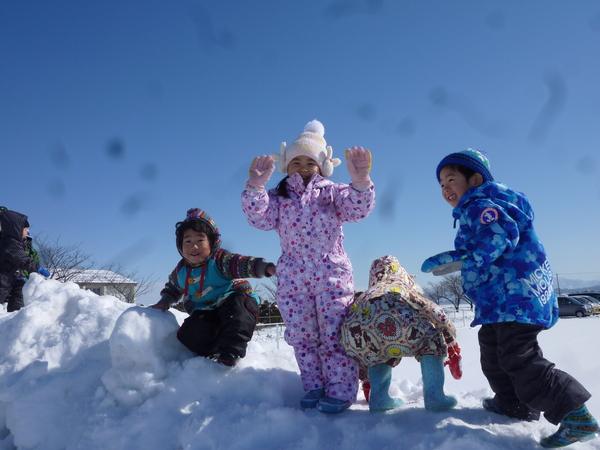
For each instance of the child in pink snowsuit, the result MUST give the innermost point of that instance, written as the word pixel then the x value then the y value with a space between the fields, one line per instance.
pixel 315 283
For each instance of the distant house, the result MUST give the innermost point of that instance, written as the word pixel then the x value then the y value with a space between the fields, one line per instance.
pixel 105 282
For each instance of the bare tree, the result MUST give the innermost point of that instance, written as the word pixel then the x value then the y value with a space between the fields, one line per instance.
pixel 449 288
pixel 453 284
pixel 115 275
pixel 436 292
pixel 70 262
pixel 266 289
pixel 64 262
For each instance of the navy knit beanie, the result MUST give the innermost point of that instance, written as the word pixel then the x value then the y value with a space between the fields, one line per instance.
pixel 472 158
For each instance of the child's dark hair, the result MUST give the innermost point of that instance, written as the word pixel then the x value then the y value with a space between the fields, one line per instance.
pixel 466 171
pixel 199 225
pixel 282 188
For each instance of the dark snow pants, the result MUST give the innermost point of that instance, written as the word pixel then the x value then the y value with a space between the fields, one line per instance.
pixel 513 363
pixel 11 290
pixel 226 329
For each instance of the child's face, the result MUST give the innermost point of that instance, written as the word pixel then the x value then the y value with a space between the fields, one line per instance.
pixel 196 246
pixel 454 184
pixel 304 166
pixel 25 232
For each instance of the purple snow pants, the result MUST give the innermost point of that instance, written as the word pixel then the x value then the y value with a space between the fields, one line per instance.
pixel 312 297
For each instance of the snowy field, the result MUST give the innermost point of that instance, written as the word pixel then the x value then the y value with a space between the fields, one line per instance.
pixel 78 371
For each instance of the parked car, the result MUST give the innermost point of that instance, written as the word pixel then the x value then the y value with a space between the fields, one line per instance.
pixel 570 306
pixel 590 301
pixel 596 295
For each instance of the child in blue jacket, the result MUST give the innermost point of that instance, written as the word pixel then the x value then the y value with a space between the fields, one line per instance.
pixel 222 306
pixel 505 272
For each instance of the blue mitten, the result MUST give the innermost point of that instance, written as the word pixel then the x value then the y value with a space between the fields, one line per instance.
pixel 43 272
pixel 443 263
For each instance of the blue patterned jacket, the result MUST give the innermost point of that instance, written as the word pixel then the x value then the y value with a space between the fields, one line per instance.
pixel 506 272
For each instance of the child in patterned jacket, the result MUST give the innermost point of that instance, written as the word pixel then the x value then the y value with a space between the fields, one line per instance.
pixel 505 272
pixel 222 306
pixel 314 276
pixel 392 320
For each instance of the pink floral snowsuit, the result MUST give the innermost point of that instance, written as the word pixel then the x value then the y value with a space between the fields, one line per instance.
pixel 315 283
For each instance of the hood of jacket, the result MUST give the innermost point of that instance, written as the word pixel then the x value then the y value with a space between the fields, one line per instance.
pixel 387 270
pixel 12 224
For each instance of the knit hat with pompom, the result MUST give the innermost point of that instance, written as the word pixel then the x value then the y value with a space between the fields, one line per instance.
pixel 311 143
pixel 472 158
pixel 196 214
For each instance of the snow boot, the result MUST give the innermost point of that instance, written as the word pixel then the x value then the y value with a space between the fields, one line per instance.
pixel 432 371
pixel 577 426
pixel 381 378
pixel 227 359
pixel 514 410
pixel 311 399
pixel 332 405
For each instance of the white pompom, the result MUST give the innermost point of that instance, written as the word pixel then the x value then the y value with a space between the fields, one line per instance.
pixel 314 126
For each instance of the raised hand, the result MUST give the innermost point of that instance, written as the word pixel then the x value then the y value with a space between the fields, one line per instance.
pixel 358 161
pixel 261 169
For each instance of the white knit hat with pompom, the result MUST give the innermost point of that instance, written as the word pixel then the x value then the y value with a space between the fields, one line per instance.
pixel 311 143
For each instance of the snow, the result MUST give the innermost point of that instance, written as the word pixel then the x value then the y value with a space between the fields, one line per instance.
pixel 80 371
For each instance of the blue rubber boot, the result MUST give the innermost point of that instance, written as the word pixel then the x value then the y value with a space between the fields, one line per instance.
pixel 432 371
pixel 311 398
pixel 577 426
pixel 380 377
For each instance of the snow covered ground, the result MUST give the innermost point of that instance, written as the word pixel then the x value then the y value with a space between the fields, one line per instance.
pixel 78 371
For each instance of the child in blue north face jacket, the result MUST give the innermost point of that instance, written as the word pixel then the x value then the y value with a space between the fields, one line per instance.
pixel 505 272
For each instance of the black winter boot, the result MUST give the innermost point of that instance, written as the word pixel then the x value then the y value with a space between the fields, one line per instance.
pixel 227 359
pixel 519 411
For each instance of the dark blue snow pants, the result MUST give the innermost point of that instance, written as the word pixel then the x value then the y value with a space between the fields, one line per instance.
pixel 522 379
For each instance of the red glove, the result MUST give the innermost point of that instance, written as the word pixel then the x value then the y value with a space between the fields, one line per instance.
pixel 454 361
pixel 366 387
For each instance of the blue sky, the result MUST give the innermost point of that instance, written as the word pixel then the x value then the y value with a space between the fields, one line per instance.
pixel 116 117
